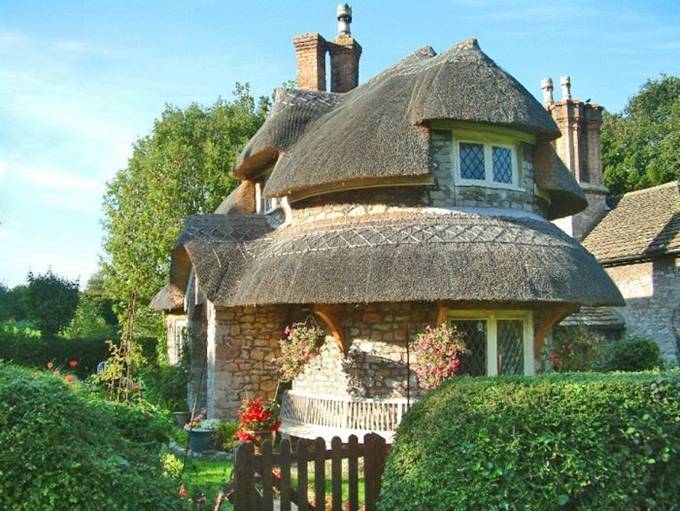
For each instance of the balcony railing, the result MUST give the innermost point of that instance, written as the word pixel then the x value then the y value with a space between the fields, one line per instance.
pixel 309 415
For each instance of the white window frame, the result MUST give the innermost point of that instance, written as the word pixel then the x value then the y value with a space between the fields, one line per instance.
pixel 488 180
pixel 179 338
pixel 491 317
pixel 264 205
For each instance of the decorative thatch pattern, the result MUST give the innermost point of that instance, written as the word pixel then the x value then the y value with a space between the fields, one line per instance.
pixel 600 318
pixel 452 256
pixel 644 225
pixel 169 298
pixel 378 131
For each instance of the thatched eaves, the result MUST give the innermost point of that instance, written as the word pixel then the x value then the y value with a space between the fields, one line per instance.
pixel 169 298
pixel 454 256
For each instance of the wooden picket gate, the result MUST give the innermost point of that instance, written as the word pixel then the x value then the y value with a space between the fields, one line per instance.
pixel 256 475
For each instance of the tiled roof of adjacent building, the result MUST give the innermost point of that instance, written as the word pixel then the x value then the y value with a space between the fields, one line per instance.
pixel 644 225
pixel 601 318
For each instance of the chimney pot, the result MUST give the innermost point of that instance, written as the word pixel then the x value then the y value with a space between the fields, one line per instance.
pixel 344 13
pixel 565 83
pixel 547 88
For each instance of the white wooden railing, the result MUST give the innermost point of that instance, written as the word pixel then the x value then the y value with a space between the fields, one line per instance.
pixel 327 415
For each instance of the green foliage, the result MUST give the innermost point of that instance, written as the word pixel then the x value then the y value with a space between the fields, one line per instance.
pixel 578 349
pixel 63 448
pixel 13 303
pixel 93 318
pixel 165 385
pixel 635 354
pixel 51 301
pixel 183 167
pixel 563 441
pixel 224 435
pixel 25 347
pixel 641 146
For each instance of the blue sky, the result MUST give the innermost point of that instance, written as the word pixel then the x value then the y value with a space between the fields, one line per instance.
pixel 80 81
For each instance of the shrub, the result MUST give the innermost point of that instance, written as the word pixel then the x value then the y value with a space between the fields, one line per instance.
pixel 24 347
pixel 165 385
pixel 561 441
pixel 63 448
pixel 577 349
pixel 635 354
pixel 224 435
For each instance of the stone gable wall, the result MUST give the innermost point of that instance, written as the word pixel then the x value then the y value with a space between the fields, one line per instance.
pixel 652 294
pixel 242 345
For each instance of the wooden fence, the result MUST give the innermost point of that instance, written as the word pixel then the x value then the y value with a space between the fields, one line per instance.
pixel 259 478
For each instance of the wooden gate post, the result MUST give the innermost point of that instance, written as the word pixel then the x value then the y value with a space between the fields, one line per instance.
pixel 244 468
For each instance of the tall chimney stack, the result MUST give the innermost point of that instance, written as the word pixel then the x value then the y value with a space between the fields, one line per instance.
pixel 579 149
pixel 310 50
pixel 345 53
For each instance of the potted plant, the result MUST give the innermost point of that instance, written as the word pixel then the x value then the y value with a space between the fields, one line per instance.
pixel 257 421
pixel 200 433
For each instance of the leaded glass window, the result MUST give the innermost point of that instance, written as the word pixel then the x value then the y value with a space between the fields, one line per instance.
pixel 502 164
pixel 472 161
pixel 510 334
pixel 497 342
pixel 474 334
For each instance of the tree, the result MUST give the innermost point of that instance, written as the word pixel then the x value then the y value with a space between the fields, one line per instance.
pixel 183 167
pixel 641 145
pixel 51 301
pixel 13 303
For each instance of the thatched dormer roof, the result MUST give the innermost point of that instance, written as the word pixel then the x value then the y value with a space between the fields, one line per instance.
pixel 395 257
pixel 379 131
pixel 169 298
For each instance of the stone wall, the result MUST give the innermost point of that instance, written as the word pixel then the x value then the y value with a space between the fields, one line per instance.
pixel 375 365
pixel 242 345
pixel 652 294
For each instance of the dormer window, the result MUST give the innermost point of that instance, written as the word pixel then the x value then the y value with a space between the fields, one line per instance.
pixel 264 205
pixel 486 163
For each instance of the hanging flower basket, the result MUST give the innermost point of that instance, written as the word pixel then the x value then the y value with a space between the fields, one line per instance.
pixel 302 343
pixel 438 353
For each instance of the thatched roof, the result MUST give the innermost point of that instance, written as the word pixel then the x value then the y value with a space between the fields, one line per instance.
pixel 378 131
pixel 644 225
pixel 169 298
pixel 598 318
pixel 398 257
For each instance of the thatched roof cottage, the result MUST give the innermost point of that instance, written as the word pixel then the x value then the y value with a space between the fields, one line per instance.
pixel 421 196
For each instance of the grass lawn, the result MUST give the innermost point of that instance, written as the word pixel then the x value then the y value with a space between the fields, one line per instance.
pixel 209 477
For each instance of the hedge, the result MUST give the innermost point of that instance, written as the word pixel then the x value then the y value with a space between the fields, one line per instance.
pixel 62 447
pixel 36 352
pixel 564 441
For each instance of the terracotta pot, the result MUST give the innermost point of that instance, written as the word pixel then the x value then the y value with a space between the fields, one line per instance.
pixel 261 436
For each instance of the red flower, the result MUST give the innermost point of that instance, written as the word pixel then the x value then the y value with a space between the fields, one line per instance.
pixel 183 491
pixel 73 363
pixel 68 378
pixel 244 436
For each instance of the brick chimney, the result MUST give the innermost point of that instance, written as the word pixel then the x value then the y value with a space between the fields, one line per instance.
pixel 310 50
pixel 579 148
pixel 345 53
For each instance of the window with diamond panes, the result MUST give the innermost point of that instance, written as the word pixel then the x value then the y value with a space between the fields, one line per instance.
pixel 472 161
pixel 473 362
pixel 501 158
pixel 510 347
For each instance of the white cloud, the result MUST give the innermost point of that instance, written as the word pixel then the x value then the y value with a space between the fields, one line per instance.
pixel 53 178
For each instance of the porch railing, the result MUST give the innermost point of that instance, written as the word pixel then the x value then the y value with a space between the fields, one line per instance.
pixel 338 414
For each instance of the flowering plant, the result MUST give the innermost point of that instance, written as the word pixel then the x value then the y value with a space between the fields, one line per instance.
pixel 576 350
pixel 256 415
pixel 438 353
pixel 56 371
pixel 302 343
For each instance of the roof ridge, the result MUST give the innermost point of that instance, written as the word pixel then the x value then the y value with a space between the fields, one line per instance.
pixel 670 184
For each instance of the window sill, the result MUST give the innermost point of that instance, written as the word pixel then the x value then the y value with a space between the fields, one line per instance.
pixel 488 184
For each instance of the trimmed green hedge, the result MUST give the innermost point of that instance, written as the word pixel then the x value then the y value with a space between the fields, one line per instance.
pixel 567 441
pixel 63 447
pixel 36 352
